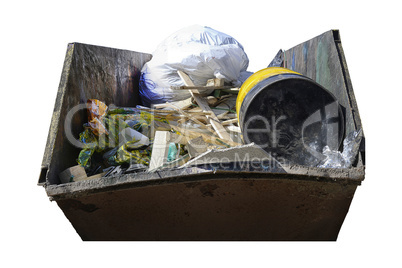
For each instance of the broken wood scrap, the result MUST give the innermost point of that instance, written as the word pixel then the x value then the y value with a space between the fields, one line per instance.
pixel 196 110
pixel 233 129
pixel 231 115
pixel 214 83
pixel 196 88
pixel 180 139
pixel 212 101
pixel 161 111
pixel 192 118
pixel 191 134
pixel 219 129
pixel 199 112
pixel 183 104
pixel 217 111
pixel 229 122
pixel 222 115
pixel 196 146
pixel 160 149
pixel 217 82
pixel 203 119
pixel 227 103
pixel 203 104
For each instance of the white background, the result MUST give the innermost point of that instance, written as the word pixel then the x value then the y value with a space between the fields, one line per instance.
pixel 34 40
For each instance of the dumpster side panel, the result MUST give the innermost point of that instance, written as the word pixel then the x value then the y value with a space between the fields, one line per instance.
pixel 322 59
pixel 224 209
pixel 107 74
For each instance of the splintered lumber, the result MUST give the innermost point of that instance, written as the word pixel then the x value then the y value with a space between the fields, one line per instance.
pixel 176 138
pixel 233 129
pixel 222 115
pixel 190 134
pixel 196 88
pixel 219 129
pixel 212 101
pixel 183 104
pixel 159 126
pixel 203 104
pixel 191 117
pixel 231 115
pixel 196 146
pixel 215 82
pixel 229 122
pixel 160 149
pixel 197 110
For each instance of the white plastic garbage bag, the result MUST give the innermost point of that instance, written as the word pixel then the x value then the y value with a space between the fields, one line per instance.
pixel 201 52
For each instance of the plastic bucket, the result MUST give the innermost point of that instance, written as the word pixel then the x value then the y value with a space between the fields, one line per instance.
pixel 289 115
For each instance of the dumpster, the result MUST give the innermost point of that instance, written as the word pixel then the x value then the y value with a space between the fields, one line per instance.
pixel 231 202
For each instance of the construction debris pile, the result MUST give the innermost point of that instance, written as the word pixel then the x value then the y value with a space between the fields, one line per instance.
pixel 123 139
pixel 179 119
pixel 193 92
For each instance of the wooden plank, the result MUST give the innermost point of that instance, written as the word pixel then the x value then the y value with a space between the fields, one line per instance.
pixel 188 82
pixel 196 88
pixel 233 129
pixel 160 149
pixel 217 82
pixel 212 101
pixel 183 104
pixel 180 139
pixel 190 134
pixel 228 122
pixel 159 126
pixel 220 130
pixel 196 146
pixel 222 115
pixel 196 110
pixel 191 117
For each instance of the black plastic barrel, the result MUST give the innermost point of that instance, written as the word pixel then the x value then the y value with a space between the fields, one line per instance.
pixel 289 115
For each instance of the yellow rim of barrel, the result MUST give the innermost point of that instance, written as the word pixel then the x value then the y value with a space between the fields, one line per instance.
pixel 255 79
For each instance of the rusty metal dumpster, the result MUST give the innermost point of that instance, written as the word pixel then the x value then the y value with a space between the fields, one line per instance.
pixel 198 203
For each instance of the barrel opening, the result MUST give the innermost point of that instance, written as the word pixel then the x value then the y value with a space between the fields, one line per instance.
pixel 292 117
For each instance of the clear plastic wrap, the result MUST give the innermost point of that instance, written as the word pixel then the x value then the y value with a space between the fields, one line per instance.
pixel 336 159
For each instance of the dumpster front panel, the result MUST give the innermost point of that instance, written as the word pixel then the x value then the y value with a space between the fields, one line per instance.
pixel 214 209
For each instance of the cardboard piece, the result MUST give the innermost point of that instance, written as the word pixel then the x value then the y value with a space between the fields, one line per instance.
pixel 72 174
